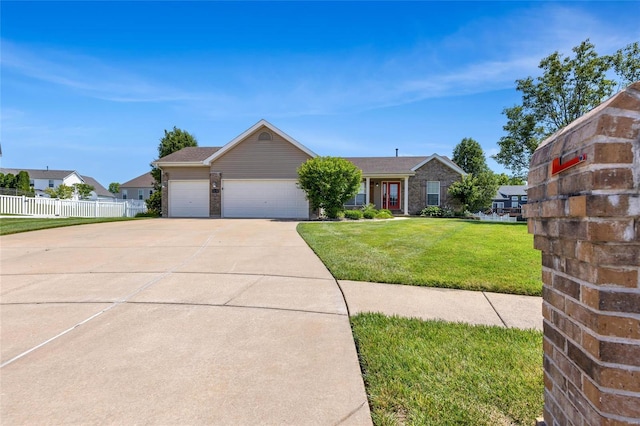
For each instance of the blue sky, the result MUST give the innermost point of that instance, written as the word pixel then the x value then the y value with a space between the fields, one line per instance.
pixel 91 86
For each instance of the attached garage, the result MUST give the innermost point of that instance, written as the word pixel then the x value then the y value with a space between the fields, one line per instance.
pixel 275 198
pixel 188 198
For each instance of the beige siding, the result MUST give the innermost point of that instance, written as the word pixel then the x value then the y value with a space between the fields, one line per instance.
pixel 254 159
pixel 187 173
pixel 132 192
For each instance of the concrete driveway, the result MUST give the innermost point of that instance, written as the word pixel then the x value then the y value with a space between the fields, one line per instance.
pixel 174 322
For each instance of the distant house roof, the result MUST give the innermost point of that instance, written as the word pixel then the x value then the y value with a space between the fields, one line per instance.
pixel 100 190
pixel 507 191
pixel 142 181
pixel 42 174
pixel 190 154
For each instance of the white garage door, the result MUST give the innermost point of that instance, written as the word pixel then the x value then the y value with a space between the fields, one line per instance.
pixel 189 198
pixel 263 198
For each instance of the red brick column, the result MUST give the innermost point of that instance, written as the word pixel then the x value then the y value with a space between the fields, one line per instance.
pixel 586 221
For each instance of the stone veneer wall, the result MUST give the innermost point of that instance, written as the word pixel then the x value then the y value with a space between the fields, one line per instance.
pixel 433 170
pixel 164 206
pixel 586 222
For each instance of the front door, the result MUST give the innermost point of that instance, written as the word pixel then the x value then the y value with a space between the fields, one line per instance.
pixel 391 195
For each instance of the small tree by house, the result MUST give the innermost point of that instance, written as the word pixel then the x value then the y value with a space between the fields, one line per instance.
pixel 114 188
pixel 63 192
pixel 172 141
pixel 83 190
pixel 329 182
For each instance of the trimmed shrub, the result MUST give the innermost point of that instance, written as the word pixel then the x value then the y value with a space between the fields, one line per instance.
pixel 384 214
pixel 385 211
pixel 369 211
pixel 369 214
pixel 353 214
pixel 431 211
pixel 149 213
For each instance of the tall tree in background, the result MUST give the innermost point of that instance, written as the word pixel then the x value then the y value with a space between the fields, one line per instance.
pixel 476 190
pixel 568 88
pixel 626 64
pixel 171 142
pixel 22 181
pixel 468 154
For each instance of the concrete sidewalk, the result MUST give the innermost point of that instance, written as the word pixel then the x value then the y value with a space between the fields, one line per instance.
pixel 474 307
pixel 174 322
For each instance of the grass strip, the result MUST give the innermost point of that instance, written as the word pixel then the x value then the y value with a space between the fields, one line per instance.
pixel 437 373
pixel 16 225
pixel 449 253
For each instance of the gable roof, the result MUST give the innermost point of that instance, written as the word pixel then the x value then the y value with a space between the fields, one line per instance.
pixel 444 160
pixel 262 123
pixel 100 190
pixel 142 181
pixel 398 165
pixel 42 174
pixel 506 191
pixel 190 154
pixel 386 165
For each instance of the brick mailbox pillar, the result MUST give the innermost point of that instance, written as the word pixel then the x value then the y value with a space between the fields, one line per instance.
pixel 584 212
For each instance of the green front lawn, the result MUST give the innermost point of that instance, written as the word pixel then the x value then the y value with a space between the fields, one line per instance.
pixel 437 373
pixel 452 253
pixel 15 225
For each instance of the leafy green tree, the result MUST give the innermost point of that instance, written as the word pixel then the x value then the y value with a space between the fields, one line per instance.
pixel 504 179
pixel 475 193
pixel 487 184
pixel 171 142
pixel 154 202
pixel 22 181
pixel 464 191
pixel 9 181
pixel 523 137
pixel 114 188
pixel 63 192
pixel 567 88
pixel 83 190
pixel 626 64
pixel 329 182
pixel 2 180
pixel 468 154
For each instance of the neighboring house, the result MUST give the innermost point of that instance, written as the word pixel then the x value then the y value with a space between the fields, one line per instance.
pixel 509 199
pixel 40 180
pixel 139 188
pixel 255 175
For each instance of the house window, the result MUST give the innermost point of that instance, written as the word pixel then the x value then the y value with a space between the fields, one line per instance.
pixel 31 183
pixel 433 193
pixel 523 199
pixel 498 205
pixel 359 199
pixel 140 194
pixel 514 201
pixel 124 194
pixel 50 183
pixel 150 192
pixel 264 136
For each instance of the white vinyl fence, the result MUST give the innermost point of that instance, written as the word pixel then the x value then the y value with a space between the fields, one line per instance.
pixel 496 217
pixel 48 207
